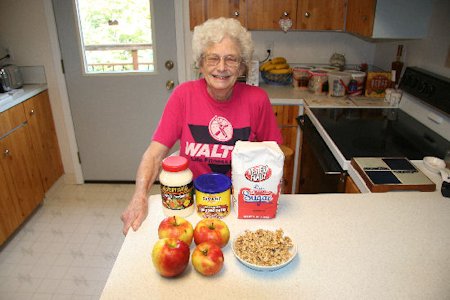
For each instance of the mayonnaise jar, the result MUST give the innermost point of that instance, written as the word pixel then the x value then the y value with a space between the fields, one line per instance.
pixel 177 191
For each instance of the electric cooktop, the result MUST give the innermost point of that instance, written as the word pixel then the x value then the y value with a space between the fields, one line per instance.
pixel 380 132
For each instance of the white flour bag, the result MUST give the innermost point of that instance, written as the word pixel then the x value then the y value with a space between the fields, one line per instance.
pixel 256 173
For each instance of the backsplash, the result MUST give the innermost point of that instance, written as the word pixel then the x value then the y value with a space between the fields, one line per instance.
pixel 33 74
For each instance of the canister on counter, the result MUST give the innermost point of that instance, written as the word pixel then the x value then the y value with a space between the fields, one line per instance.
pixel 212 194
pixel 360 78
pixel 318 81
pixel 301 77
pixel 338 83
pixel 177 191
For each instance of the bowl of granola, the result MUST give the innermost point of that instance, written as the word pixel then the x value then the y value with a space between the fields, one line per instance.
pixel 264 249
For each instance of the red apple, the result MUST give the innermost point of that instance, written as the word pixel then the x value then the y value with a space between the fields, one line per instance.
pixel 212 230
pixel 176 227
pixel 207 258
pixel 170 256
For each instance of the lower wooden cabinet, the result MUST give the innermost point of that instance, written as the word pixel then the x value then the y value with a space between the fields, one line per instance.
pixel 286 119
pixel 30 161
pixel 43 135
pixel 10 214
pixel 351 187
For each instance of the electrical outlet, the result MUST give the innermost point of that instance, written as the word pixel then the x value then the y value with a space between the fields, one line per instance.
pixel 269 47
pixel 8 52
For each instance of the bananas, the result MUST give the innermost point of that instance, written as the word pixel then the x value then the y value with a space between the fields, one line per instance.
pixel 276 65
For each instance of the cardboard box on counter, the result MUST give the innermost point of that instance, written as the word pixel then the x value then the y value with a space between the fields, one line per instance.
pixel 377 83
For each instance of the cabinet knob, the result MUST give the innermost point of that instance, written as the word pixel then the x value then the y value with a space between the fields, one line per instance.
pixel 285 14
pixel 236 13
pixel 31 112
pixel 6 153
pixel 307 14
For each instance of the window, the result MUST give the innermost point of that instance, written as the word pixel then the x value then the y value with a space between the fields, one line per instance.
pixel 116 35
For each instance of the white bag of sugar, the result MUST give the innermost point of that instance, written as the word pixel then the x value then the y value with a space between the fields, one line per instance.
pixel 256 173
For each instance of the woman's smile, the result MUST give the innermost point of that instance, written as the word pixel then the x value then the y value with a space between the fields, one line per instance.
pixel 219 75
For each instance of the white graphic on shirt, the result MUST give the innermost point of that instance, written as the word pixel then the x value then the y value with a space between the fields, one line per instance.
pixel 220 129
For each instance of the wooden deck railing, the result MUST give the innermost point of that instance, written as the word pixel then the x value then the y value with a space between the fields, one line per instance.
pixel 135 64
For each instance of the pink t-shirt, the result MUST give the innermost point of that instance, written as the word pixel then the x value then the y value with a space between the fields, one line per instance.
pixel 207 129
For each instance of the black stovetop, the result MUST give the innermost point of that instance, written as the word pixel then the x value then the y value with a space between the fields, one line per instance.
pixel 380 132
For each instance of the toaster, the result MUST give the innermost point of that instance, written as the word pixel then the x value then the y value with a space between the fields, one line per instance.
pixel 10 78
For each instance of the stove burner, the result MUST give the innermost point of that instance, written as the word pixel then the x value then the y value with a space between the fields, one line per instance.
pixel 378 132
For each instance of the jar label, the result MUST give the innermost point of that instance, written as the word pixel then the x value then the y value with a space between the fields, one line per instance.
pixel 177 197
pixel 215 205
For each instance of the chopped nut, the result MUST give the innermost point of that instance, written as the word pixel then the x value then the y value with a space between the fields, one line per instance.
pixel 263 247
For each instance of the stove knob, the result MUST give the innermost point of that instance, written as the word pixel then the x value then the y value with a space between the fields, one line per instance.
pixel 422 87
pixel 413 82
pixel 429 90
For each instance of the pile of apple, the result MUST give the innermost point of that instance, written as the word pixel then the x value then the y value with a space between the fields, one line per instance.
pixel 171 252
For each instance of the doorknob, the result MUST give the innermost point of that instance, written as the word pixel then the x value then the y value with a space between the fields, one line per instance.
pixel 169 65
pixel 170 84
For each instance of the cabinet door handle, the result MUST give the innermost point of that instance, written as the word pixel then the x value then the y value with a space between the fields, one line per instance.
pixel 307 14
pixel 236 13
pixel 6 153
pixel 32 112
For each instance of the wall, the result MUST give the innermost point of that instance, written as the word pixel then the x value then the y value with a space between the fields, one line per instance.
pixel 303 46
pixel 30 34
pixel 429 53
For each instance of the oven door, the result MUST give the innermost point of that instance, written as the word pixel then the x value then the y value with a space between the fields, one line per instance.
pixel 319 170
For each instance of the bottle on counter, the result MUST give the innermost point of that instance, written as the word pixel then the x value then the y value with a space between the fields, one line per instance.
pixel 177 191
pixel 397 65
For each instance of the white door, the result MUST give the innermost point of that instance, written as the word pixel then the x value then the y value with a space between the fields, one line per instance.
pixel 115 115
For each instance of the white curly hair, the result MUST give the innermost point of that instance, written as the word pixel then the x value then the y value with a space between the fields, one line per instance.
pixel 214 30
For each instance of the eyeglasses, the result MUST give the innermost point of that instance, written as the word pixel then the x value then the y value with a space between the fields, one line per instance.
pixel 231 61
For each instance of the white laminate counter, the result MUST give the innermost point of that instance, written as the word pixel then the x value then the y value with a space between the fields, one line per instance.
pixel 20 95
pixel 350 246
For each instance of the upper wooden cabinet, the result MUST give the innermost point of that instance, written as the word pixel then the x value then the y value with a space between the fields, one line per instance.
pixel 321 14
pixel 386 19
pixel 201 10
pixel 266 14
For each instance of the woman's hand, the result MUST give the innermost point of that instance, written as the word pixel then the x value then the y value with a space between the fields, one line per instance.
pixel 137 209
pixel 135 213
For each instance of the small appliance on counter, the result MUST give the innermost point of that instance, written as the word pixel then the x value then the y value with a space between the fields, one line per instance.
pixel 10 78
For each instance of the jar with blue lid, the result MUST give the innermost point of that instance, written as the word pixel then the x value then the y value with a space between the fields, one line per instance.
pixel 212 195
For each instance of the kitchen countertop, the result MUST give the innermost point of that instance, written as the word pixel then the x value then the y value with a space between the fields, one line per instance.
pixel 288 95
pixel 27 91
pixel 350 246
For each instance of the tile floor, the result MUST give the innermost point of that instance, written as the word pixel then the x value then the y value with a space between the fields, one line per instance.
pixel 68 247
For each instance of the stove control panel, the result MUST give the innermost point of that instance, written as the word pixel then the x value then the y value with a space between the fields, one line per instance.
pixel 428 87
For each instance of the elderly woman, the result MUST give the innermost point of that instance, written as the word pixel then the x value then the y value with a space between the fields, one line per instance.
pixel 207 115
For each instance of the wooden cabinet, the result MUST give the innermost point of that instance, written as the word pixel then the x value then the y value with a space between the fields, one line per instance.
pixel 43 135
pixel 266 14
pixel 201 10
pixel 30 161
pixel 21 185
pixel 10 215
pixel 321 14
pixel 286 115
pixel 350 186
pixel 389 19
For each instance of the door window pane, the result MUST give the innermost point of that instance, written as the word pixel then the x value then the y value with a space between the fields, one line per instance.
pixel 116 35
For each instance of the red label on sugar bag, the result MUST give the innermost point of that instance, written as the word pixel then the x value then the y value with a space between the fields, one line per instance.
pixel 257 204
